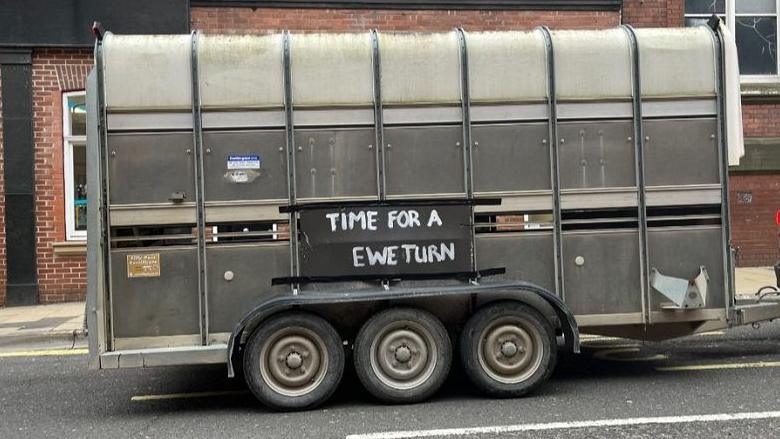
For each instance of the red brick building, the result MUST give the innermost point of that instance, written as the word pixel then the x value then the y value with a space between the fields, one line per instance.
pixel 42 169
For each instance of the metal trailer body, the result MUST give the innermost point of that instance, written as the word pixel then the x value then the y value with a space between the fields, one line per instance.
pixel 611 146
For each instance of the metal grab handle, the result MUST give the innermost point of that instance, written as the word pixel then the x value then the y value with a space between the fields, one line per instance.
pixel 177 197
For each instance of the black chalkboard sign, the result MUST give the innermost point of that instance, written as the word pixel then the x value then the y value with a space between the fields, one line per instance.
pixel 385 241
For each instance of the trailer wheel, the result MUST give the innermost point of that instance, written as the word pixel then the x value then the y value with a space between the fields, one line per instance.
pixel 402 355
pixel 294 361
pixel 508 349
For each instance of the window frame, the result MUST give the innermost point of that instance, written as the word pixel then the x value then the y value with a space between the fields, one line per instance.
pixel 68 142
pixel 730 14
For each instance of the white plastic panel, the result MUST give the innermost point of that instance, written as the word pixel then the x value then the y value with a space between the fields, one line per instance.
pixel 676 62
pixel 241 71
pixel 147 71
pixel 592 64
pixel 420 68
pixel 507 66
pixel 332 69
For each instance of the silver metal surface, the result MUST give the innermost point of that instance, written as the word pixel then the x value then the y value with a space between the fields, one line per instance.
pixel 290 147
pixel 424 160
pixel 379 125
pixel 639 167
pixel 253 266
pixel 594 110
pixel 421 115
pixel 200 215
pixel 335 162
pixel 524 255
pixel 149 121
pixel 555 180
pixel 483 112
pixel 684 293
pixel 679 107
pixel 681 252
pixel 538 158
pixel 596 154
pixel 269 118
pixel 267 182
pixel 167 304
pixel 307 117
pixel 166 356
pixel 511 157
pixel 608 279
pixel 723 168
pixel 681 151
pixel 150 167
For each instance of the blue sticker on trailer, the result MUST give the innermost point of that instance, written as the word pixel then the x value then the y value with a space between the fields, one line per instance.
pixel 243 162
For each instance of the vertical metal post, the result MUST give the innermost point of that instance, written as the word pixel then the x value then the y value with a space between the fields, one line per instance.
pixel 200 214
pixel 639 167
pixel 291 186
pixel 105 233
pixel 465 101
pixel 379 129
pixel 554 177
pixel 720 138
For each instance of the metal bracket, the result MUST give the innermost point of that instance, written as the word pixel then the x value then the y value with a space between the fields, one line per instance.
pixel 684 293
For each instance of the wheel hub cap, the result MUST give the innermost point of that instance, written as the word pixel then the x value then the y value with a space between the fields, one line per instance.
pixel 294 360
pixel 403 354
pixel 509 349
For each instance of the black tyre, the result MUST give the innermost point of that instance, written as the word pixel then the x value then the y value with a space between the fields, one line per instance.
pixel 508 349
pixel 293 361
pixel 402 355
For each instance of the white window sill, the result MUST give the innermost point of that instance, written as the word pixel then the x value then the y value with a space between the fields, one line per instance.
pixel 70 248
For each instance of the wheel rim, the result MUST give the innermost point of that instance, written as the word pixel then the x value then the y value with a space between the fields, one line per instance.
pixel 293 361
pixel 510 350
pixel 403 355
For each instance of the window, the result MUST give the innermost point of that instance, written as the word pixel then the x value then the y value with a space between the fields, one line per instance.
pixel 74 125
pixel 755 27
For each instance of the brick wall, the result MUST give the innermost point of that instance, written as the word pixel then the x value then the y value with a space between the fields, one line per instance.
pixel 653 13
pixel 54 71
pixel 761 120
pixel 2 203
pixel 753 228
pixel 263 20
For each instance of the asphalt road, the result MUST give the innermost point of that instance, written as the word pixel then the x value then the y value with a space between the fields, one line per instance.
pixel 597 394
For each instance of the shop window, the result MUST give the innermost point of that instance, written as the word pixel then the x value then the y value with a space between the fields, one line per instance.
pixel 755 27
pixel 75 162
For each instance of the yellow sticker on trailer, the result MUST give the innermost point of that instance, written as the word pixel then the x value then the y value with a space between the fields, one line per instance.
pixel 143 265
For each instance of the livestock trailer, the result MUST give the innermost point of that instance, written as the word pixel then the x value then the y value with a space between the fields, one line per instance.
pixel 287 202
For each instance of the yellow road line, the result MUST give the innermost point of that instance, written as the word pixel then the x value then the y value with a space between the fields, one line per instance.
pixel 757 364
pixel 45 353
pixel 187 395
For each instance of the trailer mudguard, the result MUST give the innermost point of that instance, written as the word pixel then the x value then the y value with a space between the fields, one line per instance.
pixel 499 290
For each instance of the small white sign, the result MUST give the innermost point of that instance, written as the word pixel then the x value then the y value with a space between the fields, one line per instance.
pixel 243 162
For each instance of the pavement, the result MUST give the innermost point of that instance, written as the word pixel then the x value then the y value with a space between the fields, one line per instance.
pixel 52 326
